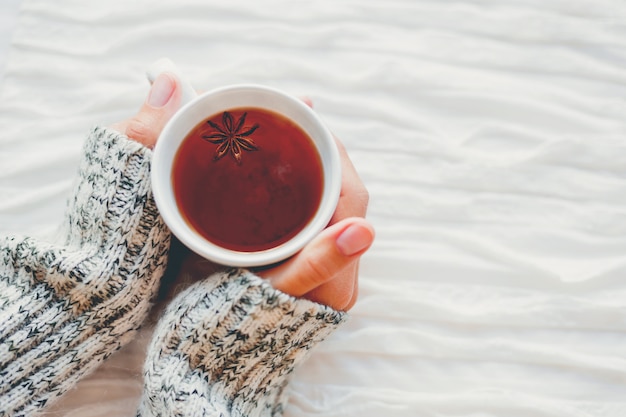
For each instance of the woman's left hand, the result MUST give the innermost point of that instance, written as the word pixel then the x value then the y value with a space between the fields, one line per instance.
pixel 163 100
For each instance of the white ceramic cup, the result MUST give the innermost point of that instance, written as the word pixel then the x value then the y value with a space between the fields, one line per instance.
pixel 219 100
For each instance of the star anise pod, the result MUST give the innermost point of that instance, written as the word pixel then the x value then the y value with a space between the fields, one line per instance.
pixel 232 137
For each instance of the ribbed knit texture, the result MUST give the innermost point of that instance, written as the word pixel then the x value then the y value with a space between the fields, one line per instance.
pixel 226 346
pixel 66 305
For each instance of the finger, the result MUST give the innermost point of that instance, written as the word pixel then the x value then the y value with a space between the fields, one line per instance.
pixel 322 261
pixel 341 292
pixel 307 101
pixel 163 101
pixel 354 197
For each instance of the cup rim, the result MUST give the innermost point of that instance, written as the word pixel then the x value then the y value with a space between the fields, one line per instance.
pixel 167 145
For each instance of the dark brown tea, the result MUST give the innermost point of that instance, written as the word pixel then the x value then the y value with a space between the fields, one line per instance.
pixel 247 179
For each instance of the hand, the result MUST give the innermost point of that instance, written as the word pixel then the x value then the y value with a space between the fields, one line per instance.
pixel 163 101
pixel 326 270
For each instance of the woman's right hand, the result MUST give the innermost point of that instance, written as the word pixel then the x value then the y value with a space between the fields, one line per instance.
pixel 326 270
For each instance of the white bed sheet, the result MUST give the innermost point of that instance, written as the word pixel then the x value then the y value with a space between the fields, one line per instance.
pixel 8 20
pixel 490 133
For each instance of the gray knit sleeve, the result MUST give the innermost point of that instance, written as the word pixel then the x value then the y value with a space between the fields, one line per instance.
pixel 66 305
pixel 226 345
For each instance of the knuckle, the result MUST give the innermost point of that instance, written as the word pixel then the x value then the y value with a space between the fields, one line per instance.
pixel 318 272
pixel 140 131
pixel 343 301
pixel 353 298
pixel 350 305
pixel 347 292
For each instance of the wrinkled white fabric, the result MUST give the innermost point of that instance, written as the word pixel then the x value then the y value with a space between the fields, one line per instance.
pixel 490 133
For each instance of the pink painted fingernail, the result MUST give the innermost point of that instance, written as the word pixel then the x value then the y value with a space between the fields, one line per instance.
pixel 161 91
pixel 354 239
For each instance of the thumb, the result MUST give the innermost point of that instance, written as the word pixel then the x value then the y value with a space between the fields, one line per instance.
pixel 163 100
pixel 322 265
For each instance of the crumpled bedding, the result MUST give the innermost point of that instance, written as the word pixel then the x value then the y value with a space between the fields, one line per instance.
pixel 491 135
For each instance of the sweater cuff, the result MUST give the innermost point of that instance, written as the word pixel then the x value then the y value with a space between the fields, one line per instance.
pixel 257 335
pixel 113 185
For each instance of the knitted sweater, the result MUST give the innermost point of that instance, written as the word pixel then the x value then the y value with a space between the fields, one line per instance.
pixel 224 346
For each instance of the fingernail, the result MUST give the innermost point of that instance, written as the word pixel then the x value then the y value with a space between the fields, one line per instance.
pixel 354 239
pixel 161 91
